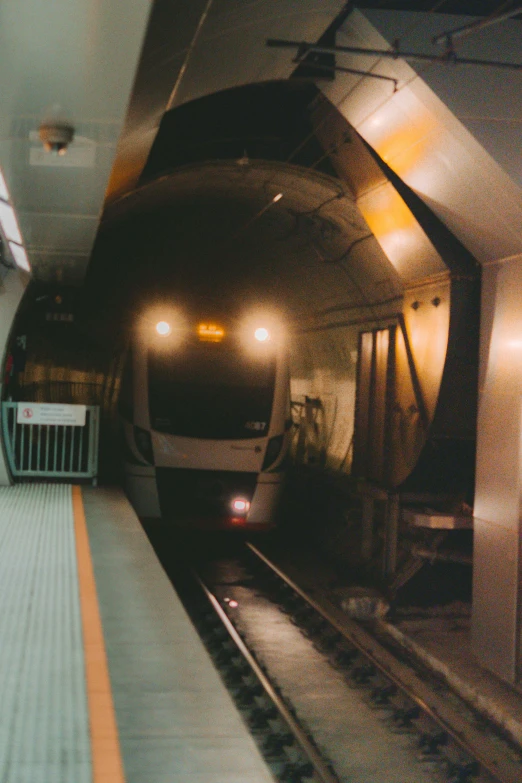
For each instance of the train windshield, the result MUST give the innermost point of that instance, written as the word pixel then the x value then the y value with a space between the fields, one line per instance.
pixel 211 390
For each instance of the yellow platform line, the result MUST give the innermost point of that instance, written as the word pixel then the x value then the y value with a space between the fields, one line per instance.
pixel 107 765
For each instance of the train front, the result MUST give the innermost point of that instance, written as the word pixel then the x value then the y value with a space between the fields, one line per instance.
pixel 206 438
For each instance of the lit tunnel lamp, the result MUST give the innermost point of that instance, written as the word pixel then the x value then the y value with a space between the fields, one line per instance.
pixel 10 229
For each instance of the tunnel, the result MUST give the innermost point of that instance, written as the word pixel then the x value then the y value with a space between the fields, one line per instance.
pixel 265 198
pixel 327 166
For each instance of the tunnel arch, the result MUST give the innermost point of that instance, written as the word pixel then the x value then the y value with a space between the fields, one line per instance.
pixel 320 225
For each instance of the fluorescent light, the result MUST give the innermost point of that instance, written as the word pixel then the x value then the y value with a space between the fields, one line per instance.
pixel 20 256
pixel 9 223
pixel 4 193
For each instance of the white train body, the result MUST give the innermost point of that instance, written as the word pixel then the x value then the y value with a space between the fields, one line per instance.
pixel 206 419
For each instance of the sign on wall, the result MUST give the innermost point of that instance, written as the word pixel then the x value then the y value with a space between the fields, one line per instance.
pixel 51 413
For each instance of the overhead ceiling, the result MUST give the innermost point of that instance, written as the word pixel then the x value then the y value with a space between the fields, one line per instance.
pixel 466 7
pixel 81 61
pixel 198 48
pixel 100 67
pixel 72 61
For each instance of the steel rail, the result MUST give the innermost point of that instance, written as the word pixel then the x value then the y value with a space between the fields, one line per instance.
pixel 450 58
pixel 473 741
pixel 322 769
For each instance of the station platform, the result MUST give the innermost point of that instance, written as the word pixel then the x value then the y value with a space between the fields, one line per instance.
pixel 103 678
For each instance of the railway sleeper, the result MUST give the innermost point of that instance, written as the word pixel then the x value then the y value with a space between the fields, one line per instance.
pixel 260 717
pixel 405 717
pixel 246 696
pixel 382 694
pixel 297 772
pixel 275 743
pixel 463 772
pixel 302 615
pixel 363 674
pixel 430 743
pixel 328 641
pixel 345 657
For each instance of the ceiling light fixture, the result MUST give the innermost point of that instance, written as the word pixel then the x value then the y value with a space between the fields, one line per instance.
pixel 9 223
pixel 20 256
pixel 4 193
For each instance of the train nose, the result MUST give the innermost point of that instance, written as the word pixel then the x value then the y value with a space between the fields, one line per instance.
pixel 193 495
pixel 213 490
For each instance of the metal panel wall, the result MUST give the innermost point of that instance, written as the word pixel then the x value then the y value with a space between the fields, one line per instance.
pixel 497 568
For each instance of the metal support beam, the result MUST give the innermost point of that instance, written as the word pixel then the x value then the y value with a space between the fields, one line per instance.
pixel 466 29
pixel 448 58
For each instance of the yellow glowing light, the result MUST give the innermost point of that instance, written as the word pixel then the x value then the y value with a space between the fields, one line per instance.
pixel 277 198
pixel 210 332
pixel 163 328
pixel 261 334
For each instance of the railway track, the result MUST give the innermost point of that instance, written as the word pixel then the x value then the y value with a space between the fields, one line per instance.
pixel 326 700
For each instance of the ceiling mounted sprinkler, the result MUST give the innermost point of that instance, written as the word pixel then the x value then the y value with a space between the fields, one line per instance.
pixel 56 136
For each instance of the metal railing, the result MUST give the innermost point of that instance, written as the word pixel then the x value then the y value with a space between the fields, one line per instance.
pixel 51 450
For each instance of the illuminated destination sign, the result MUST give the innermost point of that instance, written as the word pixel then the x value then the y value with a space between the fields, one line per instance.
pixel 51 413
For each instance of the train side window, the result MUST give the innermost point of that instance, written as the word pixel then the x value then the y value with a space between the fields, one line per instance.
pixel 126 397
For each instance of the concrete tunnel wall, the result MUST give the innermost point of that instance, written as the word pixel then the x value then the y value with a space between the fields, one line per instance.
pixel 323 369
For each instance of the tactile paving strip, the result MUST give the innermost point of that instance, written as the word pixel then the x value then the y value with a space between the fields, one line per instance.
pixel 44 727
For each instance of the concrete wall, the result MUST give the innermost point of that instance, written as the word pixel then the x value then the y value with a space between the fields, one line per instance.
pixel 323 365
pixel 12 289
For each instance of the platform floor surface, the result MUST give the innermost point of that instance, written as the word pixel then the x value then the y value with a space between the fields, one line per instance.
pixel 44 725
pixel 175 719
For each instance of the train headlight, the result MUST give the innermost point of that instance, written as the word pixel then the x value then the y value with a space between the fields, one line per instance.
pixel 262 334
pixel 240 506
pixel 163 328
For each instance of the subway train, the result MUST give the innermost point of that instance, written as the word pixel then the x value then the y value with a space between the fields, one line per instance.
pixel 204 407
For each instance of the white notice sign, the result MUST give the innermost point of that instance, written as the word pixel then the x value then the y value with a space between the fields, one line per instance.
pixel 51 413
